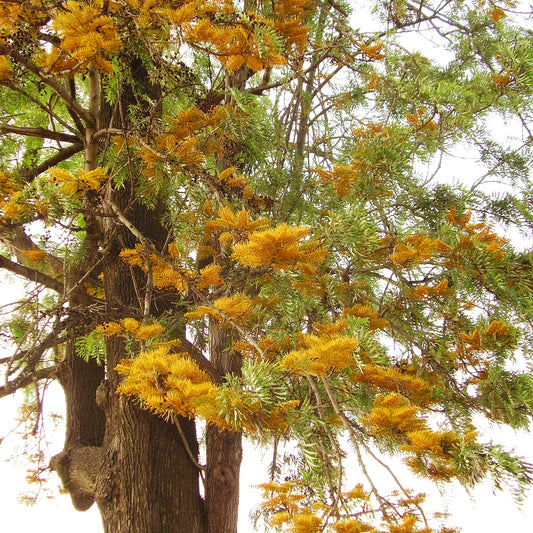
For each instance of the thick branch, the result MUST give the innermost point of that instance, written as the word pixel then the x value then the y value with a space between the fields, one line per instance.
pixel 62 155
pixel 50 372
pixel 91 146
pixel 40 132
pixel 17 241
pixel 32 275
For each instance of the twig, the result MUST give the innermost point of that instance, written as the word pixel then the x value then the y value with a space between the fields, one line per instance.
pixel 201 468
pixel 355 442
pixel 333 440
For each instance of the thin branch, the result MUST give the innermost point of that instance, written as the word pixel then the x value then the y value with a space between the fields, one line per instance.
pixel 131 227
pixel 31 355
pixel 106 131
pixel 62 155
pixel 337 499
pixel 53 116
pixel 232 322
pixel 355 443
pixel 176 422
pixel 51 82
pixel 396 480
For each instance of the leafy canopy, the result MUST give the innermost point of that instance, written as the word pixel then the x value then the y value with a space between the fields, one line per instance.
pixel 298 155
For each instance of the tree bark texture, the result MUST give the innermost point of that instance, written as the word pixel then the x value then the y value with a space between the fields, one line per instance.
pixel 148 482
pixel 223 448
pixel 80 380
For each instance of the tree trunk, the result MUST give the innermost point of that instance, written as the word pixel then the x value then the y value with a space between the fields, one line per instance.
pixel 80 379
pixel 140 473
pixel 224 455
pixel 148 483
pixel 223 448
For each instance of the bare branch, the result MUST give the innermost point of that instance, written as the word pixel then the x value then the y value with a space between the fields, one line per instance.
pixel 32 275
pixel 50 372
pixel 62 155
pixel 39 132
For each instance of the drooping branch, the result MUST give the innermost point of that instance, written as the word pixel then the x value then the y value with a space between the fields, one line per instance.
pixel 32 274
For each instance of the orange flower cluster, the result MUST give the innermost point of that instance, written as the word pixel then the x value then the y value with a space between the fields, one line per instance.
pixel 397 381
pixel 188 137
pixel 318 355
pixel 165 274
pixel 281 248
pixel 417 249
pixel 87 38
pixel 131 326
pixel 169 383
pixel 479 233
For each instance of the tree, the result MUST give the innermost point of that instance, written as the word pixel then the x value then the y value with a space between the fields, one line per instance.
pixel 231 213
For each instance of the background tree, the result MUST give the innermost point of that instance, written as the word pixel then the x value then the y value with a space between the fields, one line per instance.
pixel 231 212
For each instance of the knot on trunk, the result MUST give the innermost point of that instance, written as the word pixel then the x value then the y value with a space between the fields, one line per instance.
pixel 102 395
pixel 78 468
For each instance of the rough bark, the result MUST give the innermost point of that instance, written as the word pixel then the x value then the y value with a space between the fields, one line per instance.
pixel 148 483
pixel 223 449
pixel 224 455
pixel 80 379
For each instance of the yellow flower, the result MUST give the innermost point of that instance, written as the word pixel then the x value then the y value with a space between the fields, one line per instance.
pixel 280 248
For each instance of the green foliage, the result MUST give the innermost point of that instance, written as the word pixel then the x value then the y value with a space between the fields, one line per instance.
pixel 91 346
pixel 275 183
